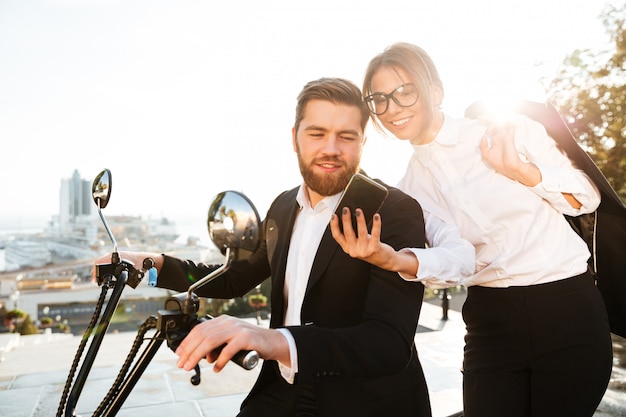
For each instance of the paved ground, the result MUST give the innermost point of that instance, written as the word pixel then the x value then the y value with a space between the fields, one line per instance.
pixel 32 376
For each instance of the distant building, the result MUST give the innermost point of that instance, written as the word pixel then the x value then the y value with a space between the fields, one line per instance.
pixel 76 199
pixel 77 219
pixel 29 253
pixel 77 223
pixel 51 271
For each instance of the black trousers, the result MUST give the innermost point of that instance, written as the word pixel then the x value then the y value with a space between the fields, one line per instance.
pixel 542 350
pixel 282 400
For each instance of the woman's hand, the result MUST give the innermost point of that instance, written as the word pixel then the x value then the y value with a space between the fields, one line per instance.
pixel 362 245
pixel 368 247
pixel 498 149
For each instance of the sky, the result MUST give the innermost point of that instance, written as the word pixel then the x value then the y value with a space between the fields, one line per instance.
pixel 184 99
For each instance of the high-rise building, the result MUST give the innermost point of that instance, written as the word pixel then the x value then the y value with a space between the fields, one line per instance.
pixel 75 197
pixel 76 210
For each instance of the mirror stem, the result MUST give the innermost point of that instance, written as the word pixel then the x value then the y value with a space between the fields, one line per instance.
pixel 208 278
pixel 106 226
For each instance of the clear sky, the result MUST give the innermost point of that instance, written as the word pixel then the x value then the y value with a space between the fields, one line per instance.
pixel 184 99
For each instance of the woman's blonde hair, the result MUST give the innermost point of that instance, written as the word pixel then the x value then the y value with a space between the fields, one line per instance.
pixel 416 63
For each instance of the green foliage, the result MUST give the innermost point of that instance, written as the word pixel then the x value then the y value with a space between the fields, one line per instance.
pixel 46 321
pixel 257 300
pixel 62 328
pixel 216 306
pixel 27 326
pixel 15 314
pixel 121 314
pixel 241 306
pixel 590 92
pixel 20 322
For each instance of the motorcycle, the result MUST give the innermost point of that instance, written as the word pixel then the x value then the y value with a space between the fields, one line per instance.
pixel 233 225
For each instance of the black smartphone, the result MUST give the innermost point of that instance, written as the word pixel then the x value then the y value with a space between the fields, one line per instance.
pixel 364 193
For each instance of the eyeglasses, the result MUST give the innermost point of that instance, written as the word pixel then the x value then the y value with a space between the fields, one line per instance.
pixel 405 96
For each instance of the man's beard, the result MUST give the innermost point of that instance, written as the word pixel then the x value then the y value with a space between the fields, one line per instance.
pixel 326 184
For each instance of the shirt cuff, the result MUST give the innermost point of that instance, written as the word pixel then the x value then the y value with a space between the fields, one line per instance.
pixel 442 269
pixel 552 187
pixel 289 373
pixel 425 261
pixel 552 182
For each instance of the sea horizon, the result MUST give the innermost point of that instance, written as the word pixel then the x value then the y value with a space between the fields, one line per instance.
pixel 186 228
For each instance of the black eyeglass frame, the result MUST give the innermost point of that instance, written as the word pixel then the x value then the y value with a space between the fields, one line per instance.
pixel 369 100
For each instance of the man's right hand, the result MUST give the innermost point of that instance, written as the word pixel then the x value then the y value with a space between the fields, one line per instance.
pixel 205 340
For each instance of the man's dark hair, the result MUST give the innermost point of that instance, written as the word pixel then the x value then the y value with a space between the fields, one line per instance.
pixel 335 90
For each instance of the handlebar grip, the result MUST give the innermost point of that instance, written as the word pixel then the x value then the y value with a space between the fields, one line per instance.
pixel 247 359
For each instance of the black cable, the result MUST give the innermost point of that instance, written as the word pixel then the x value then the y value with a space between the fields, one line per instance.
pixel 81 348
pixel 150 323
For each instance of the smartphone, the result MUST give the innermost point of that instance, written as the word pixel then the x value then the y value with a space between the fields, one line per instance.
pixel 364 193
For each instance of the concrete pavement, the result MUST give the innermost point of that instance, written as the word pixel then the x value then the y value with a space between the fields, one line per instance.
pixel 33 374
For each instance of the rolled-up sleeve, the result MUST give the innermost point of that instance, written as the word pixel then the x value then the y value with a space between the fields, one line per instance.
pixel 556 182
pixel 448 259
pixel 558 174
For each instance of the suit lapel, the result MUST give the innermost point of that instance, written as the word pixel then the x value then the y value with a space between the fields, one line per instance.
pixel 278 237
pixel 278 229
pixel 325 252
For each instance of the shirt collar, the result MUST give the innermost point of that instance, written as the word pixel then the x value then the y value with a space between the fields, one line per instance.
pixel 448 134
pixel 303 200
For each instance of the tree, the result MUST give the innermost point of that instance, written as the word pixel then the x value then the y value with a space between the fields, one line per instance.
pixel 27 326
pixel 20 322
pixel 257 301
pixel 46 322
pixel 240 306
pixel 590 92
pixel 12 318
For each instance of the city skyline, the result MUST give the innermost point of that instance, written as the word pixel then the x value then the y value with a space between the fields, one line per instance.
pixel 182 101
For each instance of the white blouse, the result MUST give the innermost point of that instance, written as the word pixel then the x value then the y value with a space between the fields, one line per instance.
pixel 519 233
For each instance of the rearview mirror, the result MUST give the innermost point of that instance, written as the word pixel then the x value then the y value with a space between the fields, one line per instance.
pixel 101 188
pixel 233 222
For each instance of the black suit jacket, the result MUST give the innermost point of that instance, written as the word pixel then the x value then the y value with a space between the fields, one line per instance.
pixel 605 229
pixel 356 344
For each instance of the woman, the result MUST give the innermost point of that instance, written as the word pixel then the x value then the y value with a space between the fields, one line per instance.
pixel 538 341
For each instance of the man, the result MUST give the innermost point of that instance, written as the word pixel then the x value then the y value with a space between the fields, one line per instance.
pixel 341 337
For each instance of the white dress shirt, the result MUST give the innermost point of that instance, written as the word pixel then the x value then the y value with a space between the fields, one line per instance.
pixel 451 259
pixel 519 233
pixel 308 229
pixel 448 258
